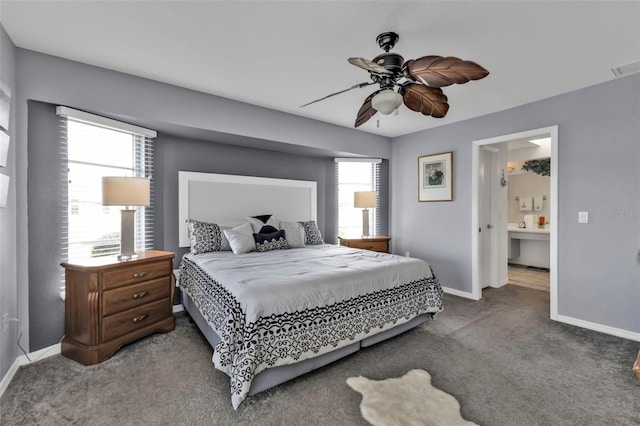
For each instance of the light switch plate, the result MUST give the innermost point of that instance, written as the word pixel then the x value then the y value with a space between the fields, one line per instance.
pixel 583 217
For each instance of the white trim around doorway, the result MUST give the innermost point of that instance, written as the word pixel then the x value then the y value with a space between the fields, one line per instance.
pixel 552 132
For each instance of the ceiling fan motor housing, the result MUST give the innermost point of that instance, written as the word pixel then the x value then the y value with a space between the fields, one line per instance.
pixel 391 62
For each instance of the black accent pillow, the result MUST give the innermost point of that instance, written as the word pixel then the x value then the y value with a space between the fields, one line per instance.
pixel 272 241
pixel 263 217
pixel 268 229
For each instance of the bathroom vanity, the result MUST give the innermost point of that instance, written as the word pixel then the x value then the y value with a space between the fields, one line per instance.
pixel 528 246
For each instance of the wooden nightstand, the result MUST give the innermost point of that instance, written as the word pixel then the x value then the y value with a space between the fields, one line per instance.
pixel 378 243
pixel 109 303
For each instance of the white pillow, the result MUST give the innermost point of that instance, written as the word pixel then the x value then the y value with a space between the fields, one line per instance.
pixel 228 225
pixel 241 238
pixel 294 233
pixel 225 241
pixel 257 224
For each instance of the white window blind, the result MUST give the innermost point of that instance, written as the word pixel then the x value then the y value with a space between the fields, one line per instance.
pixel 356 175
pixel 97 147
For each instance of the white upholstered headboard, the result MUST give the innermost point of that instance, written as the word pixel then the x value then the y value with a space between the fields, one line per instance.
pixel 221 198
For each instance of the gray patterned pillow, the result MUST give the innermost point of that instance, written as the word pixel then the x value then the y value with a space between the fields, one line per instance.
pixel 312 235
pixel 205 236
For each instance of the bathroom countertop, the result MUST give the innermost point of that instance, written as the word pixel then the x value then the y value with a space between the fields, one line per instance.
pixel 536 230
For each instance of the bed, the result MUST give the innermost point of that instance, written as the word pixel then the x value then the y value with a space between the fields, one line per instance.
pixel 276 314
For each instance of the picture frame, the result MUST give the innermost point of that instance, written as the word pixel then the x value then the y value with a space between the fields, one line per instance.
pixel 5 106
pixel 4 190
pixel 435 177
pixel 4 148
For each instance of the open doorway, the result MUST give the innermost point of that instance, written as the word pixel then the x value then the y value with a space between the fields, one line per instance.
pixel 492 245
pixel 528 179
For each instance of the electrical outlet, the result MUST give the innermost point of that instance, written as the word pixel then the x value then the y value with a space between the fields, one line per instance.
pixel 407 254
pixel 5 323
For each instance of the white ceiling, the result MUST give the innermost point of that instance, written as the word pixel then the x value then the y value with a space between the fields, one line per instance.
pixel 280 55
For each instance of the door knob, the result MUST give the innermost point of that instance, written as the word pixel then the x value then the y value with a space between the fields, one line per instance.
pixel 489 226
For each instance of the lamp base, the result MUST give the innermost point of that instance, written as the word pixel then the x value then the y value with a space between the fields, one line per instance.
pixel 127 235
pixel 365 223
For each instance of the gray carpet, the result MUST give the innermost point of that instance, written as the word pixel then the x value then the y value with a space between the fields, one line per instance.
pixel 504 361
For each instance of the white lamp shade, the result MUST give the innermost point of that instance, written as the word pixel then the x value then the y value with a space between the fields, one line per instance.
pixel 125 191
pixel 386 101
pixel 365 199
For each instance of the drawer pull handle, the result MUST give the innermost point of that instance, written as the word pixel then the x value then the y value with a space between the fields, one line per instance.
pixel 140 295
pixel 140 274
pixel 140 318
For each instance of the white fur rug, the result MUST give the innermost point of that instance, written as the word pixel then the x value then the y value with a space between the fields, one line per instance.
pixel 408 400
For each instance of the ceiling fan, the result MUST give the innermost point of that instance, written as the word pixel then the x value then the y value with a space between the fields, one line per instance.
pixel 416 82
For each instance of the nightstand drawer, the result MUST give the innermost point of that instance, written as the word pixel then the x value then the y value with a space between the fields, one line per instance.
pixel 133 319
pixel 371 245
pixel 135 273
pixel 378 243
pixel 131 296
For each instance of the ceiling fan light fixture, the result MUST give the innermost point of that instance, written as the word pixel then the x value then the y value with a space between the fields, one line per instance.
pixel 386 101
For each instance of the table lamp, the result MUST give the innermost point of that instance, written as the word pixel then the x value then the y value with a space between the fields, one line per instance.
pixel 127 192
pixel 365 200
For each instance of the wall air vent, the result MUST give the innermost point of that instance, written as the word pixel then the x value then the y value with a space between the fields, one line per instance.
pixel 626 69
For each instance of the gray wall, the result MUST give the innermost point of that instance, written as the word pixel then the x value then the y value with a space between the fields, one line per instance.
pixel 55 81
pixel 8 259
pixel 46 212
pixel 599 153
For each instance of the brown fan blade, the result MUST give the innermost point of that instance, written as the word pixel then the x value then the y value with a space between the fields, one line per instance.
pixel 427 100
pixel 366 111
pixel 355 86
pixel 368 65
pixel 438 71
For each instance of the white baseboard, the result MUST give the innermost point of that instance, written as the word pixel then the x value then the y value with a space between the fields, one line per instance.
pixel 23 360
pixel 178 308
pixel 625 334
pixel 459 293
pixel 501 283
pixel 7 377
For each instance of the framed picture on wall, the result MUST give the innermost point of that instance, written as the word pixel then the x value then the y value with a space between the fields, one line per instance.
pixel 5 105
pixel 4 148
pixel 4 190
pixel 435 177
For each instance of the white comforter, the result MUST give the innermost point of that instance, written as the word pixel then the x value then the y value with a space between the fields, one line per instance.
pixel 283 306
pixel 282 281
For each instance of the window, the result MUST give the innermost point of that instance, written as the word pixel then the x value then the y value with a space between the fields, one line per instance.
pixel 98 147
pixel 356 175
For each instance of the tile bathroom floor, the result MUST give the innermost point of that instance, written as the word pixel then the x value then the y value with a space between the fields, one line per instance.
pixel 526 276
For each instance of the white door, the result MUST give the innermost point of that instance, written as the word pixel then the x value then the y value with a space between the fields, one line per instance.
pixel 487 233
